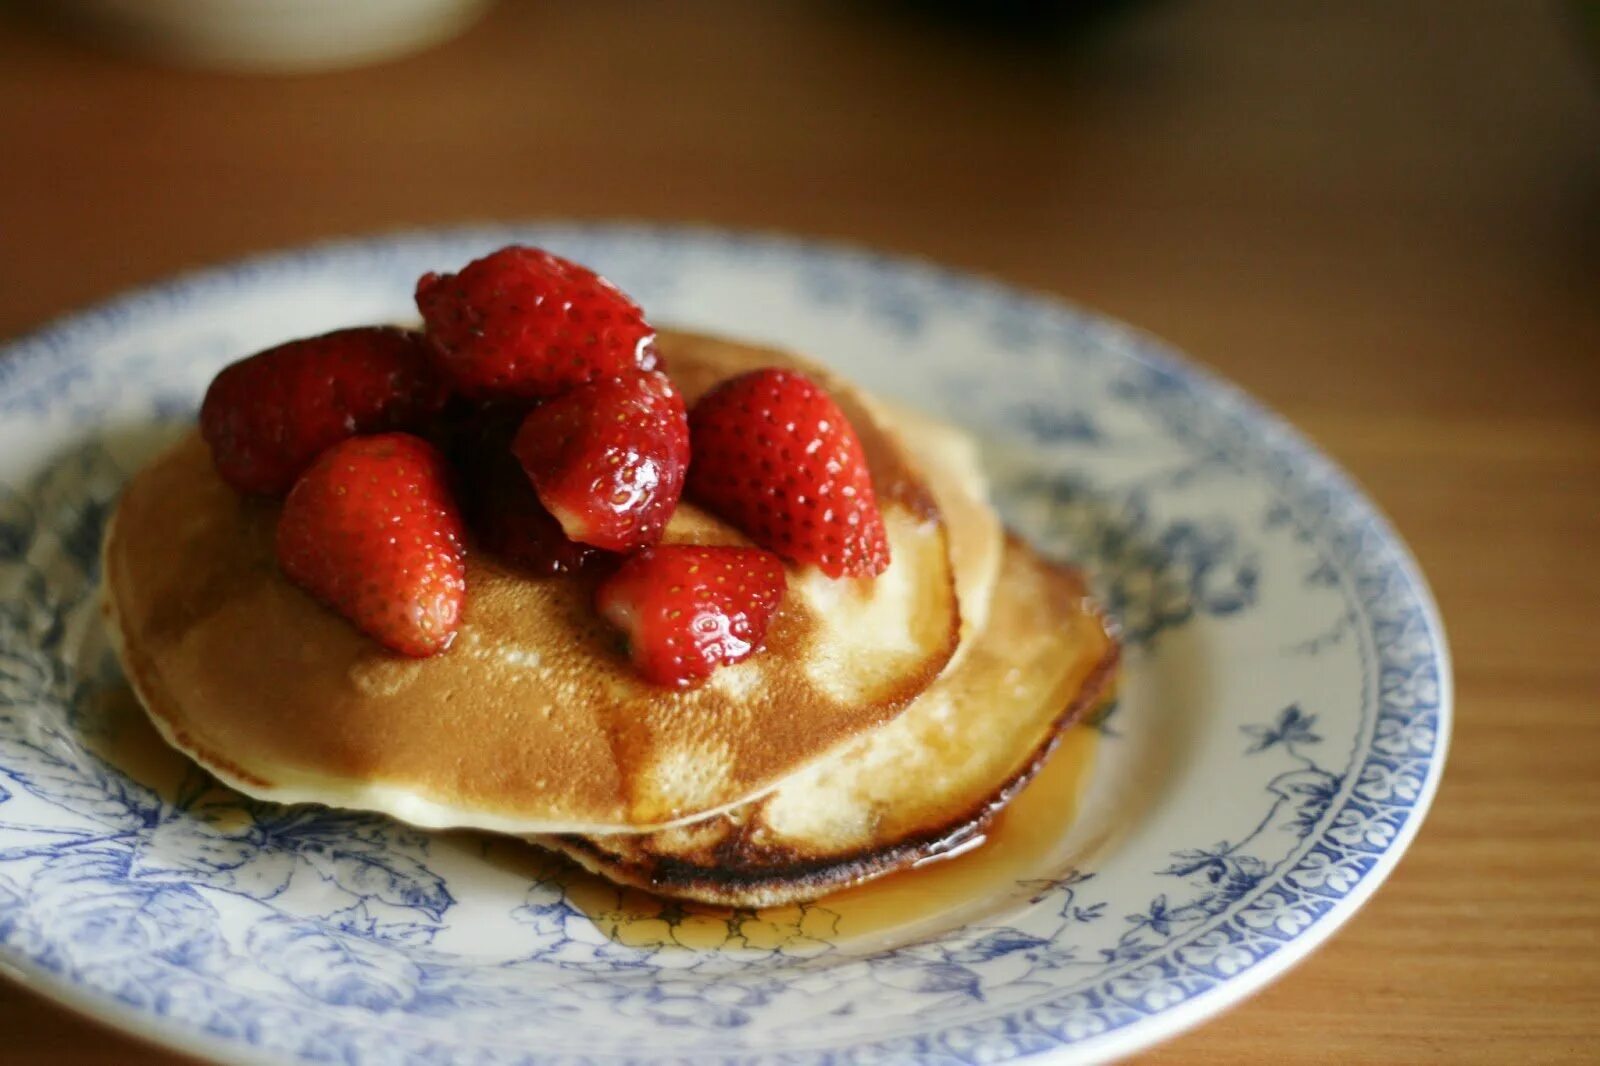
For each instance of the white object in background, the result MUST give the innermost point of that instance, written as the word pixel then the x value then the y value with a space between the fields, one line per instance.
pixel 271 35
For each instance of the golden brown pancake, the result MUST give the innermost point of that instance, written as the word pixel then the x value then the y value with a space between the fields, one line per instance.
pixel 919 787
pixel 533 722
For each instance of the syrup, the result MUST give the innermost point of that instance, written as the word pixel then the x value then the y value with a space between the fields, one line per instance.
pixel 1019 854
pixel 1021 849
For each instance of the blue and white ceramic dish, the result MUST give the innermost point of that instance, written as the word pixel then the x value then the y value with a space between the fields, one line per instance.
pixel 1281 727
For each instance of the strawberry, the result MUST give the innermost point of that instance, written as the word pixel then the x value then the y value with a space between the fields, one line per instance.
pixel 267 417
pixel 524 323
pixel 371 530
pixel 502 509
pixel 687 610
pixel 774 455
pixel 608 458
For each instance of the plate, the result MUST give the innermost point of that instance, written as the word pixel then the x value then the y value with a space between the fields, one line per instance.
pixel 1280 729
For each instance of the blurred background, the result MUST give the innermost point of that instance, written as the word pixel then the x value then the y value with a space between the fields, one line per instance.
pixel 1381 217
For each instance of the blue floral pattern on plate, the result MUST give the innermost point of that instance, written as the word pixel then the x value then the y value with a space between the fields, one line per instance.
pixel 1279 732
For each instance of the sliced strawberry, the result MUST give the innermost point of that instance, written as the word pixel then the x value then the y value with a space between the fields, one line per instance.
pixel 774 455
pixel 267 417
pixel 503 511
pixel 687 610
pixel 608 459
pixel 524 323
pixel 371 530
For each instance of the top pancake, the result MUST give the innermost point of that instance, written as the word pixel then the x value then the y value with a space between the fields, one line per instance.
pixel 533 721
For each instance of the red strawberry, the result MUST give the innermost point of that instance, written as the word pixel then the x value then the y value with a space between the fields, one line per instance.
pixel 372 531
pixel 524 323
pixel 267 417
pixel 608 458
pixel 774 455
pixel 502 509
pixel 687 610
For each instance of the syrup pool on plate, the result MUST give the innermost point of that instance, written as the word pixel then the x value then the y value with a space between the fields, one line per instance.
pixel 1021 846
pixel 1018 856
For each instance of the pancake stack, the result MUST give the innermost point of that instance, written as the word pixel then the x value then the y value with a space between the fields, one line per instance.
pixel 886 721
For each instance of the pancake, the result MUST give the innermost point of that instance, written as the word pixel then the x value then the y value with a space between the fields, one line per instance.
pixel 953 472
pixel 533 722
pixel 917 788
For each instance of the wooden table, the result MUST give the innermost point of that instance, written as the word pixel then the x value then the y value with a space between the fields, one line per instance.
pixel 1383 219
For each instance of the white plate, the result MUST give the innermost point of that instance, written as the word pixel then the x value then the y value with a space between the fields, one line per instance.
pixel 1282 723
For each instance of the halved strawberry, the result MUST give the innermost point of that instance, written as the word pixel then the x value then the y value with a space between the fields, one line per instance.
pixel 687 609
pixel 523 323
pixel 608 459
pixel 267 417
pixel 371 530
pixel 503 511
pixel 774 455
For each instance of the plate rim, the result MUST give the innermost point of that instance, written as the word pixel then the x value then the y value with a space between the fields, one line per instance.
pixel 107 316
